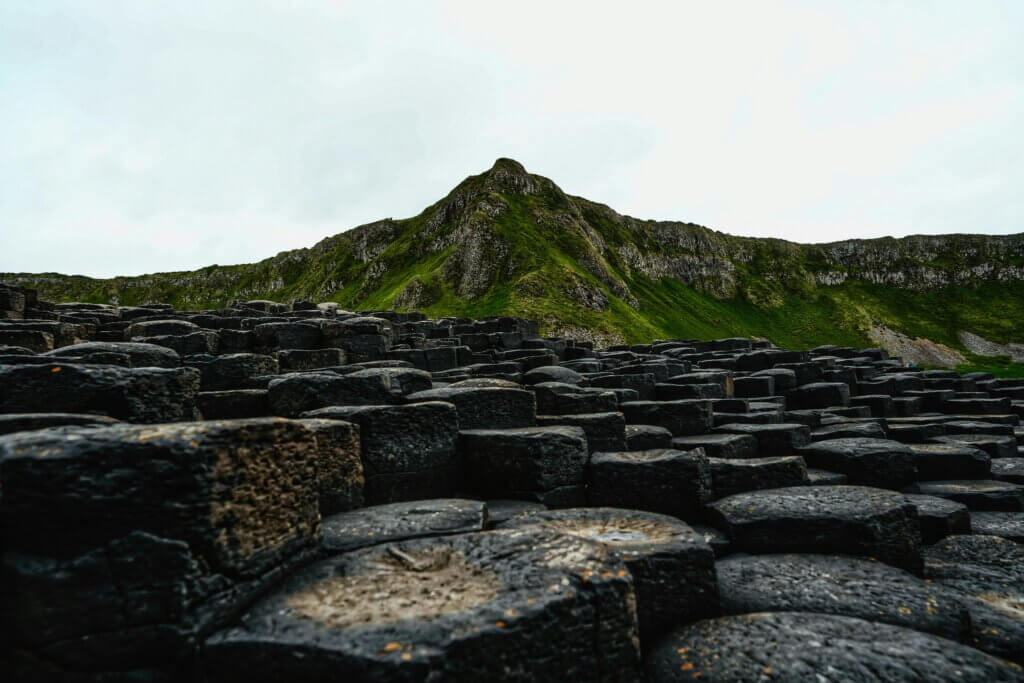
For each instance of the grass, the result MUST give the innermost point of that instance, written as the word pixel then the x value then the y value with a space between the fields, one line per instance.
pixel 1000 366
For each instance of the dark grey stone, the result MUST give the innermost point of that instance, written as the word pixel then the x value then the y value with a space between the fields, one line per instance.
pixel 940 517
pixel 950 461
pixel 534 605
pixel 870 462
pixel 485 407
pixel 988 573
pixel 540 464
pixel 141 395
pixel 669 481
pixel 673 567
pixel 393 522
pixel 408 451
pixel 726 446
pixel 773 440
pixel 751 474
pixel 840 585
pixel 978 494
pixel 812 647
pixel 647 437
pixel 123 544
pixel 850 520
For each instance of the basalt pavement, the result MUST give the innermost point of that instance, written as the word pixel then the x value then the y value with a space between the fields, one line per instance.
pixel 292 492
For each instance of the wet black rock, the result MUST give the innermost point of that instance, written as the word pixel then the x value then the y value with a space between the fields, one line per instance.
pixel 141 395
pixel 534 605
pixel 646 437
pixel 940 517
pixel 796 646
pixel 669 481
pixel 849 520
pixel 124 544
pixel 539 464
pixel 485 407
pixel 24 422
pixel 604 431
pixel 379 524
pixel 987 572
pixel 773 440
pixel 1008 525
pixel 141 355
pixel 673 567
pixel 727 446
pixel 751 474
pixel 408 452
pixel 294 394
pixel 950 461
pixel 841 585
pixel 870 462
pixel 978 494
pixel 340 476
pixel 681 418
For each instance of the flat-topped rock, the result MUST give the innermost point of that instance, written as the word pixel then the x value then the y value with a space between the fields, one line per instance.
pixel 987 572
pixel 1008 469
pixel 485 407
pixel 542 604
pixel 950 461
pixel 870 462
pixel 773 440
pixel 646 437
pixel 849 520
pixel 233 404
pixel 556 398
pixel 849 430
pixel 402 521
pixel 409 452
pixel 140 395
pixel 808 647
pixel 154 328
pixel 977 427
pixel 24 422
pixel 841 585
pixel 816 477
pixel 230 371
pixel 148 536
pixel 673 567
pixel 940 517
pixel 978 494
pixel 818 395
pixel 604 431
pixel 552 373
pixel 294 394
pixel 502 509
pixel 681 418
pixel 1008 525
pixel 726 446
pixel 996 446
pixel 141 355
pixel 669 481
pixel 539 464
pixel 340 475
pixel 729 476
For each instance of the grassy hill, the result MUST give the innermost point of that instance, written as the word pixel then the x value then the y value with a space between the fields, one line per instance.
pixel 509 242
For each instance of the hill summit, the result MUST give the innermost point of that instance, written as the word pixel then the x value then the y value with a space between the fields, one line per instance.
pixel 511 242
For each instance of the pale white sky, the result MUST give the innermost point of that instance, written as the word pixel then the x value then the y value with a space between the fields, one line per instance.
pixel 143 136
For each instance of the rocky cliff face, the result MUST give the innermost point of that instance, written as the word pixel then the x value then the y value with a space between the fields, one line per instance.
pixel 510 241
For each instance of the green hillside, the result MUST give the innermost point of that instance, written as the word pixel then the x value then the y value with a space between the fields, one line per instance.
pixel 508 242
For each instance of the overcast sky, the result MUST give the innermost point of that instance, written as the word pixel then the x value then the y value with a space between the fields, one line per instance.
pixel 145 136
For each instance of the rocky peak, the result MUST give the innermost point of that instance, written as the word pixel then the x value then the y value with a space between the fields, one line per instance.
pixel 508 175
